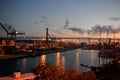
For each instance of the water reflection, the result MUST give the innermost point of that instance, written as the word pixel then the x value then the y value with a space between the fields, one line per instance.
pixel 24 61
pixel 77 59
pixel 67 60
pixel 92 57
pixel 63 62
pixel 36 60
pixel 43 59
pixel 58 59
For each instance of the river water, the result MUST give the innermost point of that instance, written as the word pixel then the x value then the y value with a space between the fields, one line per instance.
pixel 67 60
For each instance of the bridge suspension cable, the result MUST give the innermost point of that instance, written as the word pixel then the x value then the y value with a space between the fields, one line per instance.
pixel 41 32
pixel 60 33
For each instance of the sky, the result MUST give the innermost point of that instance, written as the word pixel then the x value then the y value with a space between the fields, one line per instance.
pixel 78 17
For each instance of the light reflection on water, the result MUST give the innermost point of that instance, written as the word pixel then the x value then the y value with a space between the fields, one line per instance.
pixel 72 59
pixel 63 62
pixel 24 61
pixel 43 59
pixel 77 59
pixel 92 57
pixel 67 60
pixel 58 59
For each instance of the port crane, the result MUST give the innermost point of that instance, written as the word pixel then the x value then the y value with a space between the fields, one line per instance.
pixel 11 31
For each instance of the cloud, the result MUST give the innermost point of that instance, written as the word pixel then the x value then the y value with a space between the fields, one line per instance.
pixel 43 19
pixel 94 30
pixel 116 30
pixel 114 18
pixel 101 28
pixel 74 29
pixel 66 24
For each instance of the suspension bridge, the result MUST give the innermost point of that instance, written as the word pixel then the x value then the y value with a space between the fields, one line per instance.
pixel 50 34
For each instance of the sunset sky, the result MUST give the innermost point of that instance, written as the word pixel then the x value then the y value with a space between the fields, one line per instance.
pixel 68 17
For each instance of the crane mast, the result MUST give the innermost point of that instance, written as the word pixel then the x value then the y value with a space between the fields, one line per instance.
pixel 10 31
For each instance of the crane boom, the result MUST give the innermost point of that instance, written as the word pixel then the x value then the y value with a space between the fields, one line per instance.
pixel 4 28
pixel 10 31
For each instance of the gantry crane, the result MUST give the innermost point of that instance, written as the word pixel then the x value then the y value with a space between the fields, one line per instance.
pixel 11 31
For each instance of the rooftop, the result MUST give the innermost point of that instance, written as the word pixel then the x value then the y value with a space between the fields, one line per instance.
pixel 24 76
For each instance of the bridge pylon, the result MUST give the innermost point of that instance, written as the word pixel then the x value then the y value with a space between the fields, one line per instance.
pixel 47 36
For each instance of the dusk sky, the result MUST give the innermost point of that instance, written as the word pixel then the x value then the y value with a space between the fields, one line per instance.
pixel 73 16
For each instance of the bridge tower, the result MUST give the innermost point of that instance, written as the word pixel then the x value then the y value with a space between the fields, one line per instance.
pixel 47 36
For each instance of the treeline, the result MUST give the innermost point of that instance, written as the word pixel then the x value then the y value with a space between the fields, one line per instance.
pixel 51 72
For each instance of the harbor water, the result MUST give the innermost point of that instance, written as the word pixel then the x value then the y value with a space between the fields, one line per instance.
pixel 67 60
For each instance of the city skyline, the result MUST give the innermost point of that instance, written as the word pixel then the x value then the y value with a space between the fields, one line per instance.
pixel 77 17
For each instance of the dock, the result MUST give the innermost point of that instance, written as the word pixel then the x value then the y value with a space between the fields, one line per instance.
pixel 33 51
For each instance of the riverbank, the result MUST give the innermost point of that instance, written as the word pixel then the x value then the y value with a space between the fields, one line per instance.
pixel 34 53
